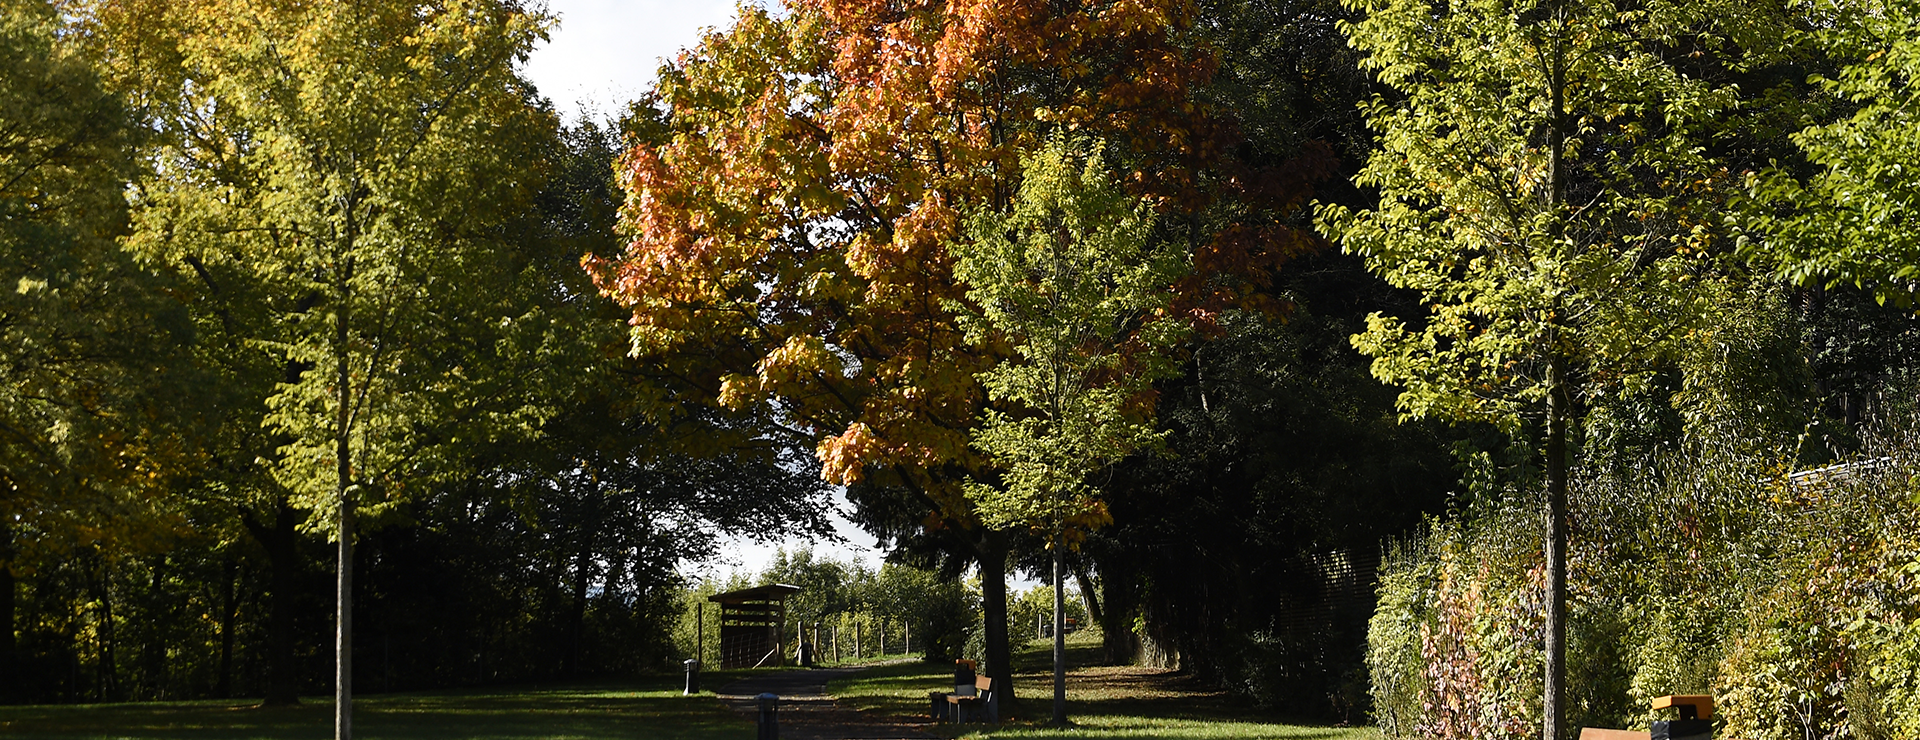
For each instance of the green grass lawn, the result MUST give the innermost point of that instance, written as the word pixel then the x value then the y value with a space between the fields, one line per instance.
pixel 1103 702
pixel 645 708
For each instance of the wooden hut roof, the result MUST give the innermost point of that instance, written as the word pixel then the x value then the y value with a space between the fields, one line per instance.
pixel 777 591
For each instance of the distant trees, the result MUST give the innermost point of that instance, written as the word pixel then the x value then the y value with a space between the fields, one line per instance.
pixel 847 609
pixel 97 397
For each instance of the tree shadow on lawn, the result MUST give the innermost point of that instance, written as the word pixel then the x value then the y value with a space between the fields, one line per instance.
pixel 644 708
pixel 1104 702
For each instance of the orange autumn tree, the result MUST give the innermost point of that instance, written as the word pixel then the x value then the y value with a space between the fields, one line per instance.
pixel 792 181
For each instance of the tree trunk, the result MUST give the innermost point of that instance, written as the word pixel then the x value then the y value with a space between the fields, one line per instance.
pixel 993 591
pixel 1556 647
pixel 109 671
pixel 1059 631
pixel 9 676
pixel 152 685
pixel 228 574
pixel 1117 640
pixel 343 623
pixel 1087 595
pixel 577 616
pixel 1553 702
pixel 10 682
pixel 279 540
pixel 582 573
pixel 342 489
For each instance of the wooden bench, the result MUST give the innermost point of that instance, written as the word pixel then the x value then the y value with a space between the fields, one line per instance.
pixel 1690 706
pixel 981 705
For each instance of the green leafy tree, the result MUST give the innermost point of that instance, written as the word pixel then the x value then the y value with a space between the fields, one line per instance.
pixel 350 163
pixel 1853 221
pixel 1073 278
pixel 95 394
pixel 1546 188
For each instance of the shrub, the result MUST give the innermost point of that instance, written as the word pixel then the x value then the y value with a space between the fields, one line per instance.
pixel 1794 600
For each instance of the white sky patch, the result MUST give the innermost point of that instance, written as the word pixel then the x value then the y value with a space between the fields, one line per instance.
pixel 742 555
pixel 605 52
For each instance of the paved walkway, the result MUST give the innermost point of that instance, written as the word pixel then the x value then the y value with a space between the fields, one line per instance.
pixel 808 713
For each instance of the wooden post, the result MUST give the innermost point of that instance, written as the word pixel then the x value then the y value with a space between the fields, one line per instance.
pixel 858 651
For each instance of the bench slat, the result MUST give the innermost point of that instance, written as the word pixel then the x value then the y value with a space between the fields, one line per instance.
pixel 1594 733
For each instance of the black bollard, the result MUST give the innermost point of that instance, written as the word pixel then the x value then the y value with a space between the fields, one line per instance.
pixel 693 677
pixel 769 717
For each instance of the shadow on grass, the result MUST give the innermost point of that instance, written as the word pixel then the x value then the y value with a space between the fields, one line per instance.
pixel 650 708
pixel 1104 702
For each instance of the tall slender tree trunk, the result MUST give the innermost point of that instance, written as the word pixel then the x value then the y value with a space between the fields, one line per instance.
pixel 342 486
pixel 1059 629
pixel 109 641
pixel 1556 648
pixel 993 549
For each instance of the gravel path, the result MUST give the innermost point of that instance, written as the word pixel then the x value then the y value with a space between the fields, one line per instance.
pixel 808 713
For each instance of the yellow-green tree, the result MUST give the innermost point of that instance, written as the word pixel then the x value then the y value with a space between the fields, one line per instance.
pixel 1547 188
pixel 336 172
pixel 1074 280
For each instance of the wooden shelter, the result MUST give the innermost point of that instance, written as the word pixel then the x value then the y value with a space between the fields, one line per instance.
pixel 753 625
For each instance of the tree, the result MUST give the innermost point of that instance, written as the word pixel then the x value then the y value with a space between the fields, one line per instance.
pixel 1546 187
pixel 347 160
pixel 1852 220
pixel 790 201
pixel 1075 281
pixel 96 401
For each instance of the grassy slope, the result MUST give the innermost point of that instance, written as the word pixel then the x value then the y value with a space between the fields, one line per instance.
pixel 1105 702
pixel 648 708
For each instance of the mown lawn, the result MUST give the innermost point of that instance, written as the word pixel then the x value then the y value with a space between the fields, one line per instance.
pixel 1103 702
pixel 645 708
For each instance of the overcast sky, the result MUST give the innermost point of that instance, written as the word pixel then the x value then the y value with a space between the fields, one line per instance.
pixel 603 55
